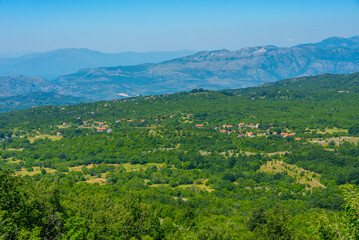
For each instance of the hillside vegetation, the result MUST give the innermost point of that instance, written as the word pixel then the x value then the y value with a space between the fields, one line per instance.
pixel 255 163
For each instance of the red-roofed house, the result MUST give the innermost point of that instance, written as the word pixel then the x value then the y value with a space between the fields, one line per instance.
pixel 250 134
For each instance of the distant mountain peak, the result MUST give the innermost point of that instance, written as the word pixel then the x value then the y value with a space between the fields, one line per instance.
pixel 335 42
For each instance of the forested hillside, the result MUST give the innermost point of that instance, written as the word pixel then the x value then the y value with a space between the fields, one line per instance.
pixel 255 163
pixel 35 99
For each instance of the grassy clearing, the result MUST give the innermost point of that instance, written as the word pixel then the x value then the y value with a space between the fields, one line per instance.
pixel 15 149
pixel 128 167
pixel 10 160
pixel 93 180
pixel 100 181
pixel 36 170
pixel 79 167
pixel 336 140
pixel 329 130
pixel 200 186
pixel 310 179
pixel 269 154
pixel 159 185
pixel 44 136
pixel 344 139
pixel 333 130
pixel 96 179
pixel 136 167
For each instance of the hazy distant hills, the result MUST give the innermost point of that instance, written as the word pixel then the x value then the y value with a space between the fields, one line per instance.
pixel 320 86
pixel 333 82
pixel 214 70
pixel 34 99
pixel 18 85
pixel 221 69
pixel 50 65
pixel 335 42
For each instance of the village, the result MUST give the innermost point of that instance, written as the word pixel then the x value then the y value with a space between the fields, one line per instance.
pixel 250 130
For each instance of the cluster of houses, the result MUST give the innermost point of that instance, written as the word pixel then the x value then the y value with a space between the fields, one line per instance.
pixel 99 126
pixel 228 128
pixel 244 130
pixel 163 118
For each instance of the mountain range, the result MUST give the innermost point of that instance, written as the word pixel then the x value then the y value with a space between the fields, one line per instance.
pixel 50 65
pixel 19 85
pixel 214 70
pixel 220 69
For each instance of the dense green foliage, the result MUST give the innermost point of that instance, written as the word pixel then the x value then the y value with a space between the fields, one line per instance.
pixel 158 167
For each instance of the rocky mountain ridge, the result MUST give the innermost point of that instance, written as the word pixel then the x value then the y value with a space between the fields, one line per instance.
pixel 220 69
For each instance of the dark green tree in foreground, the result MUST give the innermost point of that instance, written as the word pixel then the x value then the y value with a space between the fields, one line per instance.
pixel 271 224
pixel 32 213
pixel 343 227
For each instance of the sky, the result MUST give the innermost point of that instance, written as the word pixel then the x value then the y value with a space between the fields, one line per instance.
pixel 150 25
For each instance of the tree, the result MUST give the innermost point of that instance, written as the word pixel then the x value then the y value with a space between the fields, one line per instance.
pixel 140 220
pixel 29 212
pixel 271 224
pixel 340 227
pixel 12 206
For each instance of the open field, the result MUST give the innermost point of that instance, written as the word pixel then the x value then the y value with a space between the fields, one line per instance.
pixel 200 186
pixel 299 174
pixel 336 140
pixel 15 149
pixel 128 167
pixel 329 131
pixel 136 167
pixel 100 181
pixel 36 170
pixel 345 139
pixel 333 130
pixel 269 154
pixel 44 136
pixel 94 179
pixel 10 160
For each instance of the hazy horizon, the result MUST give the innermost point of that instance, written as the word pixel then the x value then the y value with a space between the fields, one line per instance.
pixel 17 54
pixel 142 26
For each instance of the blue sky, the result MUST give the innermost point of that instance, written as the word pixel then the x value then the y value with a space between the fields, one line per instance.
pixel 147 25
